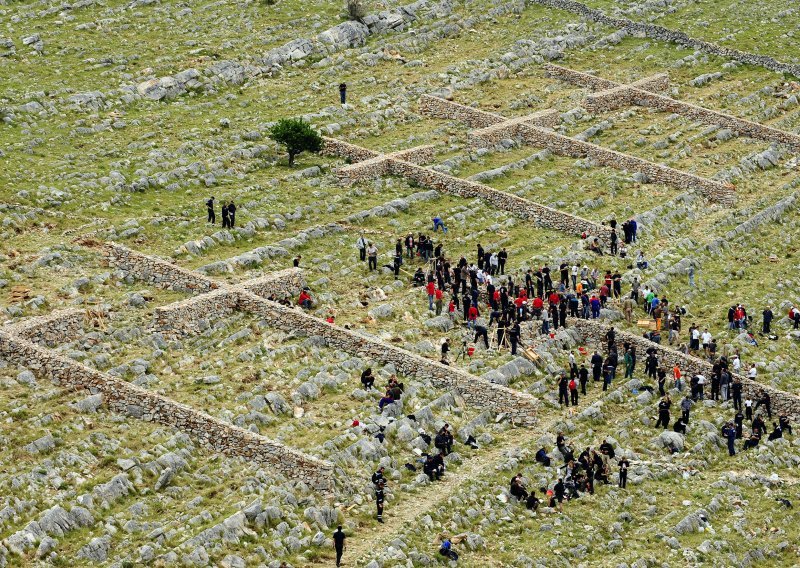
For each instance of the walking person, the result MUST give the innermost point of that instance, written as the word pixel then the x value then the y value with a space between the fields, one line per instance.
pixel 663 412
pixel 212 218
pixel 573 391
pixel 343 93
pixel 338 544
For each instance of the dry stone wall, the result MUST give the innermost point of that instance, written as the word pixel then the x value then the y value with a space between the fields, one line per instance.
pixel 492 135
pixel 432 179
pixel 341 149
pixel 155 271
pixel 541 215
pixel 665 34
pixel 477 392
pixel 283 283
pixel 643 93
pixel 566 146
pixel 437 107
pixel 188 316
pixel 56 327
pixel 128 399
pixel 782 402
pixel 537 135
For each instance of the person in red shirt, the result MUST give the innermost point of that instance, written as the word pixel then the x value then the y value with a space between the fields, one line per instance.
pixel 451 309
pixel 431 289
pixel 473 315
pixel 329 319
pixel 439 301
pixel 304 300
pixel 554 298
pixel 538 304
pixel 573 391
pixel 603 295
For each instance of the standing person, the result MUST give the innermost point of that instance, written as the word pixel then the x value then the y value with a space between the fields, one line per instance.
pixel 445 351
pixel 686 405
pixel 225 219
pixel 430 288
pixel 573 391
pixel 502 257
pixel 766 314
pixel 583 377
pixel 231 215
pixel 559 491
pixel 737 392
pixel 361 244
pixel 343 93
pixel 624 464
pixel 439 295
pixel 212 218
pixel 597 366
pixel 380 497
pixel 338 544
pixel 613 239
pixel 730 435
pixel 372 255
pixel 409 245
pixel 563 387
pixel 663 412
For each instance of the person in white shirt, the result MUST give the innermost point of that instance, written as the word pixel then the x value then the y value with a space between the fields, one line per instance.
pixel 574 276
pixel 494 263
pixel 752 372
pixel 706 340
pixel 361 244
pixel 737 364
pixel 748 409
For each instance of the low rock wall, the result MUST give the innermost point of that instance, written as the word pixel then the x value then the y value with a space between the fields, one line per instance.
pixel 566 146
pixel 665 34
pixel 185 317
pixel 155 271
pixel 52 329
pixel 645 92
pixel 283 283
pixel 437 107
pixel 543 216
pixel 128 399
pixel 341 149
pixel 782 402
pixel 477 392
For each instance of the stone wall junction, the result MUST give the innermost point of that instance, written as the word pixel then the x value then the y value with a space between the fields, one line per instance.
pixel 125 398
pixel 643 93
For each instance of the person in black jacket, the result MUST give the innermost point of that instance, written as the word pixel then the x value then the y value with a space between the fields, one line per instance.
pixel 225 219
pixel 663 412
pixel 343 93
pixel 212 218
pixel 768 316
pixel 231 214
pixel 597 366
pixel 583 377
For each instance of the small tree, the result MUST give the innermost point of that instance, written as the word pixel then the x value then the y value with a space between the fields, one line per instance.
pixel 356 10
pixel 297 135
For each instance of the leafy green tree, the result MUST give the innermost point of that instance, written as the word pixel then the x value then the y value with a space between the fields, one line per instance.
pixel 297 135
